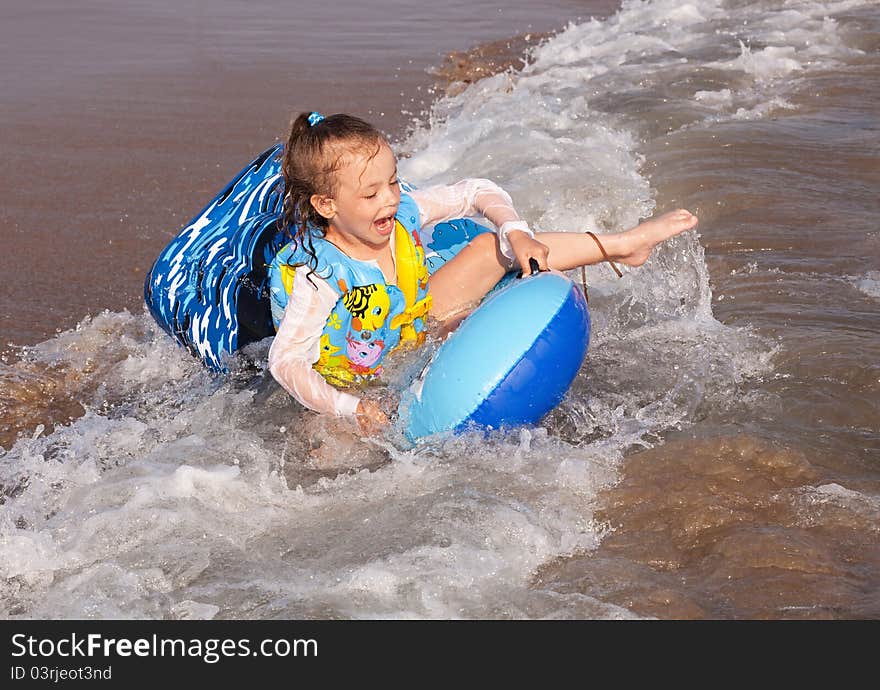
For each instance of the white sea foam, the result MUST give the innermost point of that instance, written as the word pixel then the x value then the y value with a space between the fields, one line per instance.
pixel 716 98
pixel 869 284
pixel 833 503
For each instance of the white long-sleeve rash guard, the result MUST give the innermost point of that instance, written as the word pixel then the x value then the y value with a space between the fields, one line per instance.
pixel 297 344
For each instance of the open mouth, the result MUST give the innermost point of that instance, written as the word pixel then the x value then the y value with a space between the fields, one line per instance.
pixel 385 225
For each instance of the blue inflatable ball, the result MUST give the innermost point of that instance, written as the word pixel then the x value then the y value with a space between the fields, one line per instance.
pixel 509 363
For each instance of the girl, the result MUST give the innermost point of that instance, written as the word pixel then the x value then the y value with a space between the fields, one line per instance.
pixel 356 273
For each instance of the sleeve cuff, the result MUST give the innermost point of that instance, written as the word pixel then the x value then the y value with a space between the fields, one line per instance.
pixel 505 230
pixel 347 405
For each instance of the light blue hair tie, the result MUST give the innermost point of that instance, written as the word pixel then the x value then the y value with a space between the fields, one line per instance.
pixel 315 118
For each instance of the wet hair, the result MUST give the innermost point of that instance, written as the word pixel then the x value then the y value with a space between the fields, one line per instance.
pixel 312 156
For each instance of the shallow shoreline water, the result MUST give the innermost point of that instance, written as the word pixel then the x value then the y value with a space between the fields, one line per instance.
pixel 717 457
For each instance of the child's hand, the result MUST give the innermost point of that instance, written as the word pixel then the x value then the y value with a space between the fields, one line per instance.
pixel 370 417
pixel 525 247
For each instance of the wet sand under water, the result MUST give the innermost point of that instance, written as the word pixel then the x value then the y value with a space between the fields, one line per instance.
pixel 728 528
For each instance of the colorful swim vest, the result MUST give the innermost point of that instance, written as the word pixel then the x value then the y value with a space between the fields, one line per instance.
pixel 371 318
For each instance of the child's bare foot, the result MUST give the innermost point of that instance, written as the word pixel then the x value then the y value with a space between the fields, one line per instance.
pixel 636 244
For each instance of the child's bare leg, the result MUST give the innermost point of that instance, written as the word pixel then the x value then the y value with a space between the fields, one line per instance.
pixel 633 247
pixel 464 280
pixel 459 284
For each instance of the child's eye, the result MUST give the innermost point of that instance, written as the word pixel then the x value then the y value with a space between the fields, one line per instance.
pixel 371 196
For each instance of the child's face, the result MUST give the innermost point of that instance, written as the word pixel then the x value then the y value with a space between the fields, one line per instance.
pixel 367 197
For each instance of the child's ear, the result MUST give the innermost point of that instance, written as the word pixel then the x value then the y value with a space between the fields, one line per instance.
pixel 324 205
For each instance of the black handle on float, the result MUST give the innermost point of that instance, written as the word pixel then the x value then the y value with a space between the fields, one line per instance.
pixel 533 266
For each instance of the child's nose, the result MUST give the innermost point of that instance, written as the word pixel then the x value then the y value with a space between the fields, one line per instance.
pixel 391 196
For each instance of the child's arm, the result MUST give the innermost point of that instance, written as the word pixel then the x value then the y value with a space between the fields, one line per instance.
pixel 468 198
pixel 297 346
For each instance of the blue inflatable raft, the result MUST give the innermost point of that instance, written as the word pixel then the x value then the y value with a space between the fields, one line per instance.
pixel 208 286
